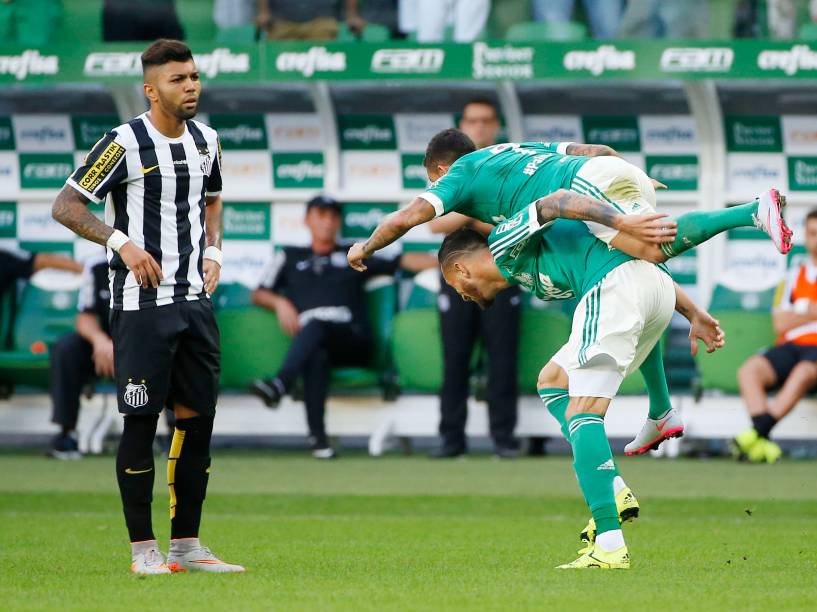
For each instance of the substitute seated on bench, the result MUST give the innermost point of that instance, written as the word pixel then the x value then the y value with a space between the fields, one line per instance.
pixel 80 357
pixel 791 365
pixel 319 301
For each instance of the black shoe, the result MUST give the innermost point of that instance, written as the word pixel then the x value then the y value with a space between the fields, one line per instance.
pixel 267 390
pixel 505 452
pixel 64 446
pixel 321 449
pixel 536 447
pixel 450 451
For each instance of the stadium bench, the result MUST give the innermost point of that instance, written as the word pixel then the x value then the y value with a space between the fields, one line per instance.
pixel 42 317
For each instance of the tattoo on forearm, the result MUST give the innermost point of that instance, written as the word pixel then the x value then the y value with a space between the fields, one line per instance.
pixel 213 223
pixel 71 210
pixel 383 235
pixel 565 204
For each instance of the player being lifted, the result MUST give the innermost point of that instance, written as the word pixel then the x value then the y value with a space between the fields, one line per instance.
pixel 625 305
pixel 583 182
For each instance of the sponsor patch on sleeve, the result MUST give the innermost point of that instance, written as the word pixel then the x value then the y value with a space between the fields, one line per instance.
pixel 100 168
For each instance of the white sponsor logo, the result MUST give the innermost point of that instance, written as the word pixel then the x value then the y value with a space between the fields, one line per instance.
pixel 415 172
pixel 317 59
pixel 211 64
pixel 301 171
pixel 607 465
pixel 674 172
pixel 367 134
pixel 408 61
pixel 241 134
pixel 606 57
pixel 553 128
pixel 43 133
pixel 509 225
pixel 697 59
pixel 805 174
pixel 506 62
pixel 365 219
pixel 241 221
pixel 29 62
pixel 44 172
pixel 799 57
pixel 136 396
pixel 415 131
pixel 6 218
pixel 672 134
pixel 751 173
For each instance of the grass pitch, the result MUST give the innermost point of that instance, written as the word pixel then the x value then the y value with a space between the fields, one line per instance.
pixel 415 534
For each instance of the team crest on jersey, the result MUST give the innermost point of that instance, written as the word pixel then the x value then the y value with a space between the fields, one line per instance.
pixel 206 160
pixel 135 395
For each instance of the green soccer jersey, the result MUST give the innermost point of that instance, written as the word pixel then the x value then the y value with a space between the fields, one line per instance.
pixel 556 261
pixel 494 183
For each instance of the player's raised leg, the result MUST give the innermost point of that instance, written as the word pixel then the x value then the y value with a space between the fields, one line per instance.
pixel 765 213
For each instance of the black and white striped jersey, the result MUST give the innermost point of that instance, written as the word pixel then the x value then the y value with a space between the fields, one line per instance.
pixel 155 188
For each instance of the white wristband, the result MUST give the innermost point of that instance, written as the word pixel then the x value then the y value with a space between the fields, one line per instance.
pixel 214 254
pixel 117 240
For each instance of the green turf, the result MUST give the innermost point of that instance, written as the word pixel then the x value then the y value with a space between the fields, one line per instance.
pixel 409 533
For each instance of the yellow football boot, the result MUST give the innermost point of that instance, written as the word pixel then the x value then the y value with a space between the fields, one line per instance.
pixel 597 558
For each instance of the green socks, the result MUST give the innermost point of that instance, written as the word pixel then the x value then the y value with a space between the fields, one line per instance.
pixel 556 401
pixel 595 469
pixel 653 372
pixel 697 227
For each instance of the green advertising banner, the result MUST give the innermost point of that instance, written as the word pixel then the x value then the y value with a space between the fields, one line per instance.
pixel 45 170
pixel 753 134
pixel 483 60
pixel 88 129
pixel 414 172
pixel 802 173
pixel 8 220
pixel 297 170
pixel 366 132
pixel 619 132
pixel 240 132
pixel 6 134
pixel 246 221
pixel 360 218
pixel 677 172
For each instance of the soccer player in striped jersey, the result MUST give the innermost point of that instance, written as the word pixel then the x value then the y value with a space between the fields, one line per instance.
pixel 585 182
pixel 160 177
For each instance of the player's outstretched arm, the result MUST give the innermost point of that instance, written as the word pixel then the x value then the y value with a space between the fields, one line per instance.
pixel 564 204
pixel 71 209
pixel 703 326
pixel 391 228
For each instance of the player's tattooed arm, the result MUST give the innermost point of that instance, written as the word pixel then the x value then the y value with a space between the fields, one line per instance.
pixel 703 326
pixel 71 209
pixel 392 227
pixel 590 150
pixel 564 204
pixel 213 221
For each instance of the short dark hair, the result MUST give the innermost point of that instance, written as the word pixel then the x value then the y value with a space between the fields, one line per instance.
pixel 165 50
pixel 447 147
pixel 812 214
pixel 462 241
pixel 482 102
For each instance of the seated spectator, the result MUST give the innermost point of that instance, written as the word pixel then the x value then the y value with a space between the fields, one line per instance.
pixel 603 15
pixel 429 18
pixel 16 265
pixel 315 20
pixel 233 13
pixel 320 302
pixel 665 19
pixel 78 358
pixel 789 366
pixel 784 18
pixel 128 20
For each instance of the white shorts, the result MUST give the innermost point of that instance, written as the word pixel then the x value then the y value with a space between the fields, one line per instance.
pixel 615 326
pixel 617 182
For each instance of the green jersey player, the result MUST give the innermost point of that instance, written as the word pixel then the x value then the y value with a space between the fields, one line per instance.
pixel 625 304
pixel 615 199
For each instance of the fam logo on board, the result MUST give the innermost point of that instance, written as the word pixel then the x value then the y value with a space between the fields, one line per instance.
pixel 697 59
pixel 408 61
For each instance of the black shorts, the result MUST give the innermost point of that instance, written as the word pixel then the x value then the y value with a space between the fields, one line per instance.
pixel 166 355
pixel 785 356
